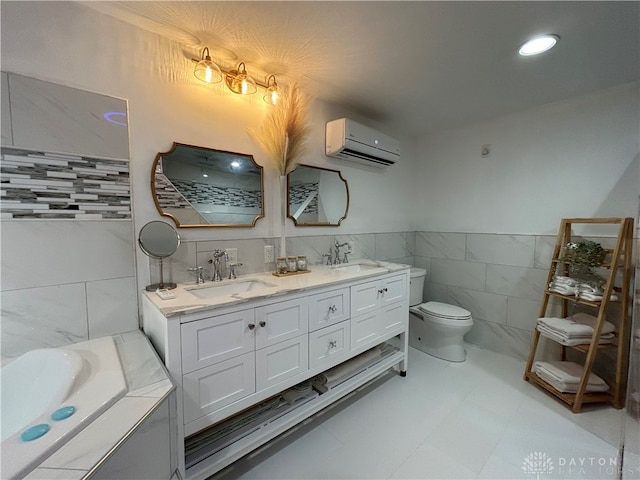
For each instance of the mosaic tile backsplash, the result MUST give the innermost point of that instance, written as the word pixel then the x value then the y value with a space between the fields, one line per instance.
pixel 56 186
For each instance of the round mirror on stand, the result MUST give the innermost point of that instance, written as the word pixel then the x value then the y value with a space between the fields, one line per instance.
pixel 159 240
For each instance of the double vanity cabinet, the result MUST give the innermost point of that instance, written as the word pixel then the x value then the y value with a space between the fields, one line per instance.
pixel 233 347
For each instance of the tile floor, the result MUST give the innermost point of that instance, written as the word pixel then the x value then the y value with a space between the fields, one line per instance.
pixel 471 420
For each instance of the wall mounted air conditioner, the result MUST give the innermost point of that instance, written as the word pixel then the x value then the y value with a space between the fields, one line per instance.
pixel 352 141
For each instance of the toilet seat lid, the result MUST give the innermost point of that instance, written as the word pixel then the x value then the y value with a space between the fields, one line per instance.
pixel 444 310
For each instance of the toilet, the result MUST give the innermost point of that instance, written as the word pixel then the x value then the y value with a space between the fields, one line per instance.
pixel 436 328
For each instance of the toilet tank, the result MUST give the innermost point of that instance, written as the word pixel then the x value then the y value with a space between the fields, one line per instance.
pixel 416 285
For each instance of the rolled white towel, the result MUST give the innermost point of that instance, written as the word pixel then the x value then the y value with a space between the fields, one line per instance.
pixel 596 298
pixel 559 279
pixel 562 289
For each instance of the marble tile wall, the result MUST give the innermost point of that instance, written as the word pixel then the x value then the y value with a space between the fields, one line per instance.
pixel 65 281
pixel 67 263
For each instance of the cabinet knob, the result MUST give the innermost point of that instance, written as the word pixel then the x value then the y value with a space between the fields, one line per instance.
pixel 333 309
pixel 263 323
pixel 333 344
pixel 251 326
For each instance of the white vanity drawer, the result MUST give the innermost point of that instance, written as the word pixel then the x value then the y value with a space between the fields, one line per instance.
pixel 281 321
pixel 330 345
pixel 215 339
pixel 281 361
pixel 328 308
pixel 214 387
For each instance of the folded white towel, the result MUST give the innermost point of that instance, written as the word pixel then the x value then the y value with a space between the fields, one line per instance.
pixel 562 289
pixel 595 298
pixel 573 341
pixel 577 325
pixel 565 377
pixel 586 288
pixel 564 280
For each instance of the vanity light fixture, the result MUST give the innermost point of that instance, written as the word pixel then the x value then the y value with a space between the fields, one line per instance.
pixel 240 82
pixel 273 93
pixel 538 44
pixel 206 70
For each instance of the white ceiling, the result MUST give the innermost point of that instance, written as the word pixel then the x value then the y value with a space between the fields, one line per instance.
pixel 417 66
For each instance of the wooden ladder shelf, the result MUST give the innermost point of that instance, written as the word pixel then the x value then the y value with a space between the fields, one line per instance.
pixel 619 267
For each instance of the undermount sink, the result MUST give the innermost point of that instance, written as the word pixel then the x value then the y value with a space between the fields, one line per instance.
pixel 355 267
pixel 226 289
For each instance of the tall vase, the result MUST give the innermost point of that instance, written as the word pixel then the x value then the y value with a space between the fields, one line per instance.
pixel 283 215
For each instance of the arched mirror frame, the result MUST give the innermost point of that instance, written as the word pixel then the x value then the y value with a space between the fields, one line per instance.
pixel 204 225
pixel 318 224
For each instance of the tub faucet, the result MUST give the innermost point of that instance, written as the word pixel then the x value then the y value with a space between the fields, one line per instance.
pixel 215 259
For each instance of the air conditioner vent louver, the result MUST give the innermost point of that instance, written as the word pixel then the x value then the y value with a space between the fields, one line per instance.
pixel 353 153
pixel 348 140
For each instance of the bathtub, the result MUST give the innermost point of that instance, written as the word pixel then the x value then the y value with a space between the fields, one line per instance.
pixel 48 395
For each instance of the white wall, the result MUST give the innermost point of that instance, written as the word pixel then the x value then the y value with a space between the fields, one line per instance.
pixel 576 158
pixel 70 44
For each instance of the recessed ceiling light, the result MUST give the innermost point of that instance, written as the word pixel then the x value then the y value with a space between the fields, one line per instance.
pixel 538 45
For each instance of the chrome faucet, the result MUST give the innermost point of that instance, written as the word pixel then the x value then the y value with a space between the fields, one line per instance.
pixel 198 273
pixel 329 258
pixel 215 259
pixel 336 259
pixel 232 270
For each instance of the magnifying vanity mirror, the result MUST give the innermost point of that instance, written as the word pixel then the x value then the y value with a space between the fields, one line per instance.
pixel 316 196
pixel 159 240
pixel 203 187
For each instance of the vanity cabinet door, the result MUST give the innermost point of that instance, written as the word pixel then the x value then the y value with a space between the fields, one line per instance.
pixel 283 360
pixel 328 308
pixel 394 289
pixel 364 298
pixel 281 321
pixel 212 340
pixel 393 318
pixel 330 345
pixel 214 387
pixel 365 329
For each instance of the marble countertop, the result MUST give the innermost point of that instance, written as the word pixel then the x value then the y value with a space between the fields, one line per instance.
pixel 148 386
pixel 186 302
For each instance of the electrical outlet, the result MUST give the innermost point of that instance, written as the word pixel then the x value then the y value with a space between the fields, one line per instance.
pixel 268 254
pixel 233 255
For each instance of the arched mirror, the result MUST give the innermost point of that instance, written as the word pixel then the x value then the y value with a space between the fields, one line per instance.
pixel 203 187
pixel 317 197
pixel 159 240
